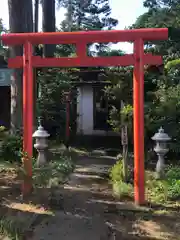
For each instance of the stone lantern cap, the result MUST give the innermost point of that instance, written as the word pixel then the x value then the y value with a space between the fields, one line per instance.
pixel 161 136
pixel 41 133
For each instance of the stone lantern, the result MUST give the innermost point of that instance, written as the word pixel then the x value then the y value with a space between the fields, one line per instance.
pixel 161 149
pixel 41 145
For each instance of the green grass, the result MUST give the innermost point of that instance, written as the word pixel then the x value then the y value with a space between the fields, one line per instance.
pixel 157 190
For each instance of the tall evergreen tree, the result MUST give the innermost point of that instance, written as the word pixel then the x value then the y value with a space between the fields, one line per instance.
pixel 49 23
pixel 88 15
pixel 160 3
pixel 3 51
pixel 20 20
pixel 36 15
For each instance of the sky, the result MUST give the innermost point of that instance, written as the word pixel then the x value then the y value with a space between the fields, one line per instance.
pixel 126 11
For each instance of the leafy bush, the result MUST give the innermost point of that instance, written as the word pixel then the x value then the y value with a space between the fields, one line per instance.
pixel 173 182
pixel 164 111
pixel 11 148
pixel 116 172
pixel 2 132
pixel 120 188
pixel 166 189
pixel 173 173
pixel 52 174
pixel 51 104
pixel 156 189
pixel 163 190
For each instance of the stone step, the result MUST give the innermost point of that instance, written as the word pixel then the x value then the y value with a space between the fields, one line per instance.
pixel 93 169
pixel 84 179
pixel 86 176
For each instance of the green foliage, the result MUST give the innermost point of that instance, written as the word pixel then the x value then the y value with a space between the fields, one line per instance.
pixel 11 228
pixel 172 64
pixel 162 100
pixel 53 174
pixel 164 111
pixel 158 191
pixel 108 52
pixel 120 90
pixel 121 84
pixel 2 132
pixel 117 118
pixel 3 50
pixel 127 114
pixel 160 3
pixel 88 15
pixel 173 181
pixel 161 14
pixel 11 149
pixel 174 189
pixel 2 128
pixel 116 172
pixel 120 188
pixel 48 178
pixel 164 190
pixel 52 104
pixel 173 173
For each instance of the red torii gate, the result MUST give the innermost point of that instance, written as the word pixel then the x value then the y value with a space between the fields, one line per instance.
pixel 81 39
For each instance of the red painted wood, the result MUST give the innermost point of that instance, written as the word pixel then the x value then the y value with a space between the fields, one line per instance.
pixel 138 99
pixel 86 36
pixel 81 39
pixel 27 115
pixel 81 50
pixel 85 61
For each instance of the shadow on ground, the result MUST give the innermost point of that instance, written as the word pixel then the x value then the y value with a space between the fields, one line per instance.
pixel 16 221
pixel 81 211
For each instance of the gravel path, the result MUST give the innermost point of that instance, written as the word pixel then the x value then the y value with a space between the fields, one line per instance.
pixel 89 212
pixel 82 217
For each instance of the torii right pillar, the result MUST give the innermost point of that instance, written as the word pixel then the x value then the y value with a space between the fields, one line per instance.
pixel 138 99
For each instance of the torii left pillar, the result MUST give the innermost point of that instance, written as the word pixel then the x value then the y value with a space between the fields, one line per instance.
pixel 27 115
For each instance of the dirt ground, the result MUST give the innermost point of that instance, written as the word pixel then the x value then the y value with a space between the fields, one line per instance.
pixel 85 209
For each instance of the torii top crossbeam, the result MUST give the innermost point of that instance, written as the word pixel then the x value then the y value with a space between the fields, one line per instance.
pixel 147 34
pixel 81 39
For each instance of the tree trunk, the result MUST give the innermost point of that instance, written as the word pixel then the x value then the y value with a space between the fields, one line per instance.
pixel 49 24
pixel 36 24
pixel 36 15
pixel 20 20
pixel 70 17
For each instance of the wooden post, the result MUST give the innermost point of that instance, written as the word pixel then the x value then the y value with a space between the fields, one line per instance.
pixel 124 143
pixel 27 116
pixel 138 84
pixel 67 118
